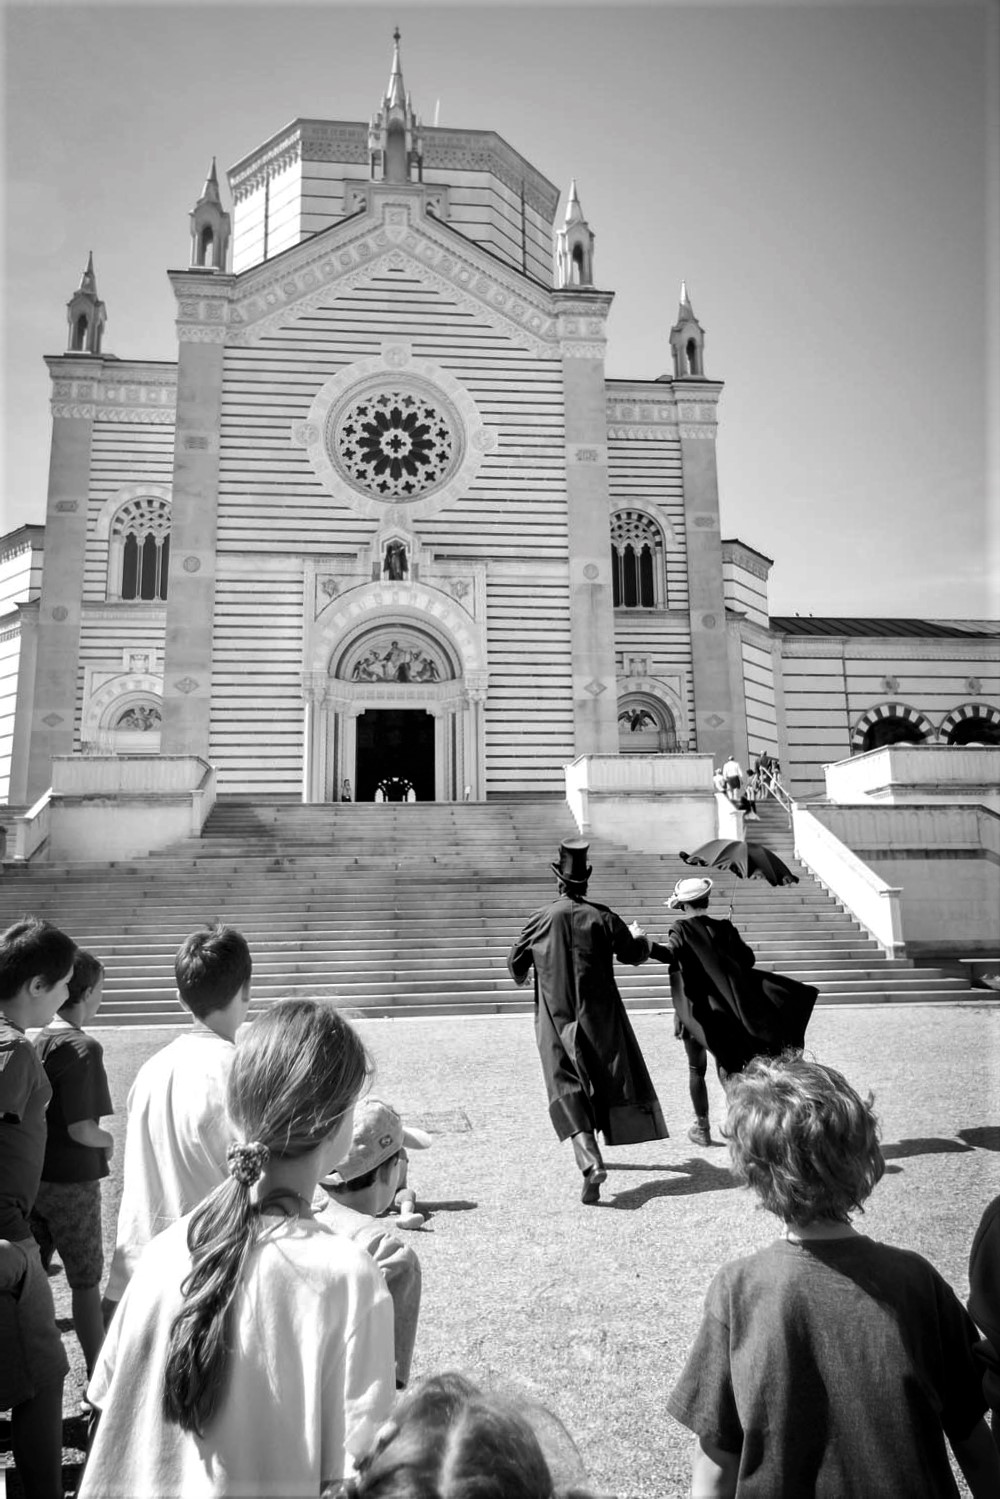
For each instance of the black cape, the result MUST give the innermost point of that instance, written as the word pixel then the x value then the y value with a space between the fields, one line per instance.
pixel 734 1009
pixel 594 1072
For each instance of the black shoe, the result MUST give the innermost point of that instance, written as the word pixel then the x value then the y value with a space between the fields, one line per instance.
pixel 699 1133
pixel 592 1179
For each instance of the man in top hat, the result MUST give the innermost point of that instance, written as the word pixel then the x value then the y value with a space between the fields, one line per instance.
pixel 594 1072
pixel 722 1003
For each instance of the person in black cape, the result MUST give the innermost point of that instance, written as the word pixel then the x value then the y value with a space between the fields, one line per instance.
pixel 594 1072
pixel 723 1003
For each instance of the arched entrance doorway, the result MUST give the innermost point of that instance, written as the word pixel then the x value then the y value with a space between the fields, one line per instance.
pixel 395 648
pixel 394 755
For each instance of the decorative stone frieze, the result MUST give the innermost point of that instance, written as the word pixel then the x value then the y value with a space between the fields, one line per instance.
pixel 269 298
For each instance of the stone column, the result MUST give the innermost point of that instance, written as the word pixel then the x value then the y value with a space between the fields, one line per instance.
pixel 57 648
pixel 713 704
pixel 582 315
pixel 20 750
pixel 187 658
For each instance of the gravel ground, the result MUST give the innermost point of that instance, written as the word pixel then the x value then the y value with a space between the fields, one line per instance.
pixel 592 1310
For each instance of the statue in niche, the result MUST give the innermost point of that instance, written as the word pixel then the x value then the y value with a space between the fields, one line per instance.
pixel 394 563
pixel 139 717
pixel 637 719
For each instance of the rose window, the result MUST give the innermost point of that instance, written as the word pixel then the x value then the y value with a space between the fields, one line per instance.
pixel 395 444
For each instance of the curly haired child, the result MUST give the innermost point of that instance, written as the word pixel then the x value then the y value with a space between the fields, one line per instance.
pixel 827 1363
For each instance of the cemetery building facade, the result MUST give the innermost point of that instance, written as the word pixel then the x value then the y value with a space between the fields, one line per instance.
pixel 385 527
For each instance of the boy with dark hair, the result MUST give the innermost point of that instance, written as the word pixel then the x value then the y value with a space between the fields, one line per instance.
pixel 178 1130
pixel 827 1364
pixel 36 963
pixel 67 1213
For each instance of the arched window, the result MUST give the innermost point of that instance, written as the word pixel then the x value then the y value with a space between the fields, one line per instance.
pixel 892 731
pixel 139 550
pixel 637 562
pixel 80 335
pixel 693 357
pixel 972 723
pixel 645 726
pixel 205 247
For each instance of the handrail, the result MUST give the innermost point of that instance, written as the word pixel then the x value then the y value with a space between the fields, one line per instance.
pixel 774 787
pixel 870 900
pixel 31 830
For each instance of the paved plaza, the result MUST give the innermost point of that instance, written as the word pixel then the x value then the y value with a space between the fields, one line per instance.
pixel 592 1310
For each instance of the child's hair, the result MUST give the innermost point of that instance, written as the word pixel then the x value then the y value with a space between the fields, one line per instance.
pixel 298 1069
pixel 86 971
pixel 450 1440
pixel 802 1139
pixel 33 949
pixel 212 966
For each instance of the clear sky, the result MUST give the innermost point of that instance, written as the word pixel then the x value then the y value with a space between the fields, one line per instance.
pixel 823 175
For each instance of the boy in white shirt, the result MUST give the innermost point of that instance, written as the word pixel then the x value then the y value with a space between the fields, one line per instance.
pixel 178 1129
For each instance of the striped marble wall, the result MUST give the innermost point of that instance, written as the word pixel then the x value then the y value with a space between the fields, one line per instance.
pixel 272 506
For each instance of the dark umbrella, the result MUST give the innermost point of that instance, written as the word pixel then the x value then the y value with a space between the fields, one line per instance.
pixel 751 861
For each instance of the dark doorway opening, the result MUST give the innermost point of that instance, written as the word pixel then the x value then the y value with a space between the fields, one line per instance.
pixel 892 731
pixel 395 752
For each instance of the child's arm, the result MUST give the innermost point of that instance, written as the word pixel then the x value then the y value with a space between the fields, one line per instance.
pixel 714 1472
pixel 979 1461
pixel 87 1132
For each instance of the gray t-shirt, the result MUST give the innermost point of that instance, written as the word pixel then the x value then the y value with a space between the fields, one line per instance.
pixel 834 1367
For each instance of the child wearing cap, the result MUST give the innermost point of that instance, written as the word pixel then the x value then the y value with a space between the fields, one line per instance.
pixel 722 1004
pixel 360 1191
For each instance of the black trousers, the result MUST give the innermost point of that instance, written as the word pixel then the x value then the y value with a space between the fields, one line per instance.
pixel 697 1058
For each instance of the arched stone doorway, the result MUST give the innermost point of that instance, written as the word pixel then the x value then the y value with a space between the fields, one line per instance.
pixel 972 723
pixel 890 723
pixel 397 709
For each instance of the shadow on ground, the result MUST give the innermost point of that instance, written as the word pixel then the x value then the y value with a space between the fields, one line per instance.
pixel 685 1178
pixel 982 1137
pixel 928 1146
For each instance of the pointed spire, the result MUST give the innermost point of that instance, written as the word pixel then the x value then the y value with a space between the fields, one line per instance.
pixel 210 192
pixel 574 211
pixel 88 281
pixel 687 341
pixel 395 94
pixel 210 226
pixel 394 141
pixel 86 314
pixel 574 245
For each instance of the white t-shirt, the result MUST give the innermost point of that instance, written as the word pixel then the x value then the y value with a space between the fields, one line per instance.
pixel 310 1376
pixel 176 1140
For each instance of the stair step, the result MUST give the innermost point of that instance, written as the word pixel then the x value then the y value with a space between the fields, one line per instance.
pixel 394 910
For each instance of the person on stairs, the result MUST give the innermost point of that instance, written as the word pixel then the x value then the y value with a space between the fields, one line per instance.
pixel 594 1071
pixel 722 1002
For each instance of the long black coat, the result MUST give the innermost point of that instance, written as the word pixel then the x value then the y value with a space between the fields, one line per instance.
pixel 594 1072
pixel 732 1008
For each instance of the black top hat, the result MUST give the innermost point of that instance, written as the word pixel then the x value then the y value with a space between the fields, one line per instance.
pixel 572 865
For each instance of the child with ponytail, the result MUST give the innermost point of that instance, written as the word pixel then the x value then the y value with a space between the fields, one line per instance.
pixel 252 1353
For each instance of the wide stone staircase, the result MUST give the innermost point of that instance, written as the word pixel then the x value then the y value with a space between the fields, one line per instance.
pixel 410 908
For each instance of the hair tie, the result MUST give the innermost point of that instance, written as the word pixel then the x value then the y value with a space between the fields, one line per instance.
pixel 246 1162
